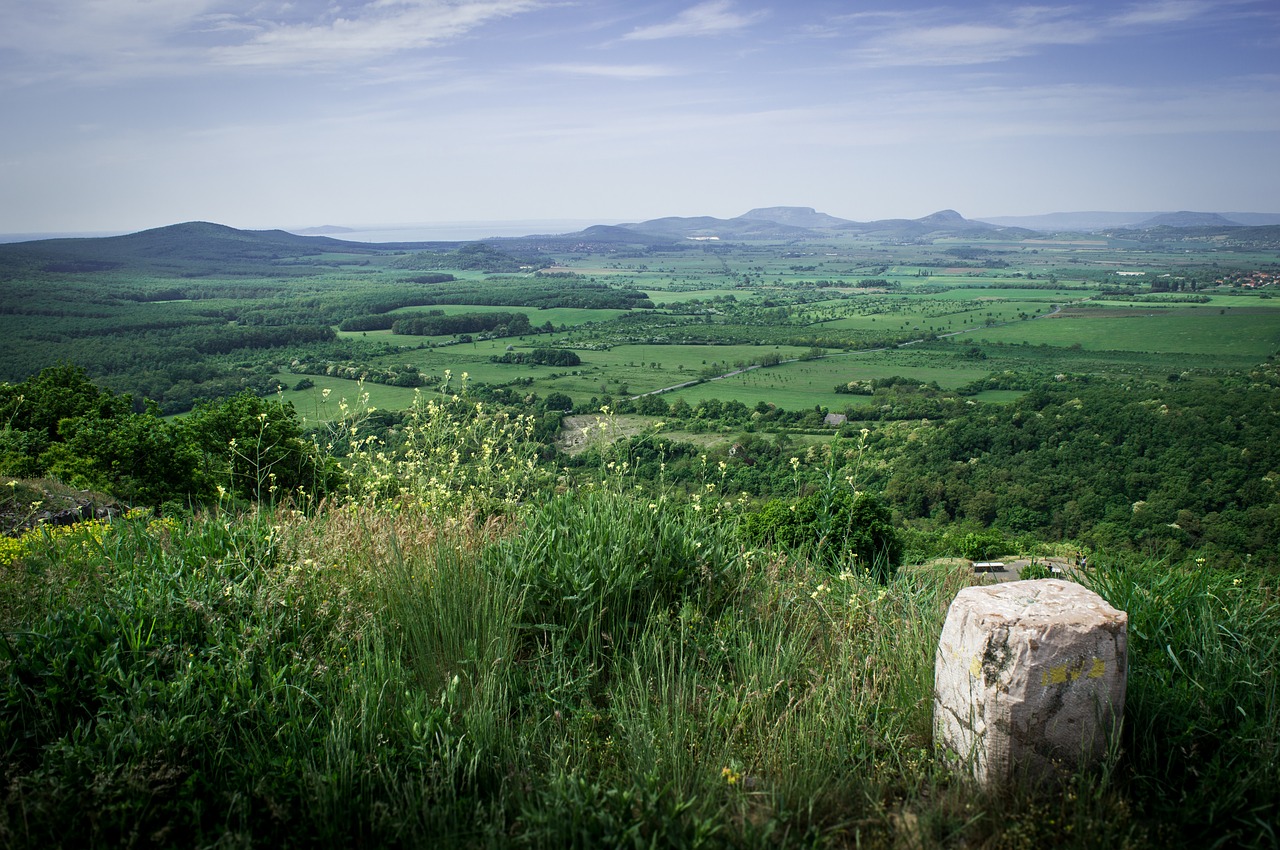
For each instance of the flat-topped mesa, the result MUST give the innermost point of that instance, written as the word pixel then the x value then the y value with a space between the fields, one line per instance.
pixel 1029 680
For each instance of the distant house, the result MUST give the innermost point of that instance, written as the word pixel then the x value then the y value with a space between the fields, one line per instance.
pixel 835 420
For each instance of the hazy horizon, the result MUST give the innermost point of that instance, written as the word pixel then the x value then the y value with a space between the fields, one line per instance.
pixel 123 116
pixel 455 231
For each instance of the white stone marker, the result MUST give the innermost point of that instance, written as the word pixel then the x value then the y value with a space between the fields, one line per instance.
pixel 1029 676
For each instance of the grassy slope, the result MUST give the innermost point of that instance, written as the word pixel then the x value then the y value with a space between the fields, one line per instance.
pixel 364 676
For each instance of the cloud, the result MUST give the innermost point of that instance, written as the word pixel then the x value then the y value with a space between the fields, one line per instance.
pixel 621 72
pixel 101 40
pixel 711 18
pixel 1166 12
pixel 386 26
pixel 1021 32
pixel 916 39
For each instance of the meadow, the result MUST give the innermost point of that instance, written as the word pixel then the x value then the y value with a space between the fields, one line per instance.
pixel 1235 334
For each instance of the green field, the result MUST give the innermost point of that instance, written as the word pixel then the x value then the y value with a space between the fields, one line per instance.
pixel 1234 332
pixel 184 328
pixel 313 406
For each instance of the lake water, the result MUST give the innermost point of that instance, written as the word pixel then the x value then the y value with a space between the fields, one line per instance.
pixel 458 231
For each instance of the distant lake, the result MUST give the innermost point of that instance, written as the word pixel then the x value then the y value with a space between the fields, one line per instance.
pixel 457 231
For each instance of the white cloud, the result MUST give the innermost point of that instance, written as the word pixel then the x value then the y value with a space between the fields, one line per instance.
pixel 386 26
pixel 1160 13
pixel 621 72
pixel 711 18
pixel 986 36
pixel 97 40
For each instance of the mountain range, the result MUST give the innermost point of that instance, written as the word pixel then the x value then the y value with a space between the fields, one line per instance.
pixel 195 248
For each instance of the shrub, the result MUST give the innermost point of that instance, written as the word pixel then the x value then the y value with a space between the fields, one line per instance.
pixel 831 526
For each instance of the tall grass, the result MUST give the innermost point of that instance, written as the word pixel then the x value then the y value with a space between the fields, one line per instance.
pixel 605 670
pixel 1202 722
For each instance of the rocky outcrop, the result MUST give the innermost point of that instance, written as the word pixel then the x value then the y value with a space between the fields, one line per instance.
pixel 25 504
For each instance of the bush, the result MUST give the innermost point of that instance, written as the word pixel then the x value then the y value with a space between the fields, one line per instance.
pixel 831 526
pixel 254 448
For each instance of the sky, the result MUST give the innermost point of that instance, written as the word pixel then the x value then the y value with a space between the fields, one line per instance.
pixel 120 115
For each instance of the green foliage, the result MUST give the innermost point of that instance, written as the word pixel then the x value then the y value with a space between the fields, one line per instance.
pixel 437 323
pixel 137 457
pixel 1172 466
pixel 60 424
pixel 40 403
pixel 1202 711
pixel 473 256
pixel 1035 570
pixel 254 448
pixel 450 454
pixel 593 562
pixel 831 527
pixel 541 357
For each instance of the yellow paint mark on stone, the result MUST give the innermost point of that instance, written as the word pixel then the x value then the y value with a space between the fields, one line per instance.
pixel 1072 672
pixel 1057 675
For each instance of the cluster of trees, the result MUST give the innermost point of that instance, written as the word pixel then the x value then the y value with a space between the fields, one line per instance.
pixel 1187 464
pixel 541 357
pixel 59 423
pixel 869 387
pixel 436 323
pixel 529 292
pixel 402 375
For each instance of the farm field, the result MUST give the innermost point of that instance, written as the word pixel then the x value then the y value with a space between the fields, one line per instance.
pixel 1230 333
pixel 640 319
pixel 313 406
pixel 810 382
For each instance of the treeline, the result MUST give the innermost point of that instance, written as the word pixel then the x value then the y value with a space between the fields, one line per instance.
pixel 405 375
pixel 520 292
pixel 540 357
pixel 436 323
pixel 224 340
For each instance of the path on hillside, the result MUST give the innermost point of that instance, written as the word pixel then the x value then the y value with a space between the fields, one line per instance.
pixel 1057 308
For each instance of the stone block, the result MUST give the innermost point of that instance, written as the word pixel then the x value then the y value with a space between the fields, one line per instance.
pixel 1029 680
